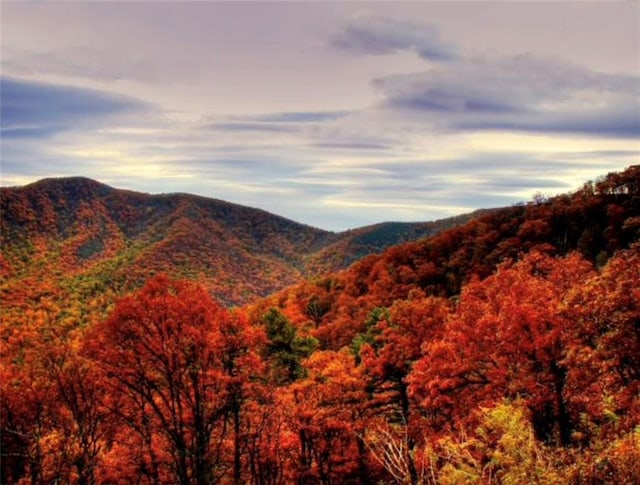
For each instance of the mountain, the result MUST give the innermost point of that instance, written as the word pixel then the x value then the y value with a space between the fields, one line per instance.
pixel 355 244
pixel 79 229
pixel 597 221
pixel 504 349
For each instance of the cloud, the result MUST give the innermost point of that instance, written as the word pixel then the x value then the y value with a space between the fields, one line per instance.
pixel 251 127
pixel 281 122
pixel 523 93
pixel 368 34
pixel 468 132
pixel 354 145
pixel 38 110
pixel 301 116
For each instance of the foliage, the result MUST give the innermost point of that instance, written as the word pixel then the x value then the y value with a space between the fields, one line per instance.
pixel 502 351
pixel 285 348
pixel 502 449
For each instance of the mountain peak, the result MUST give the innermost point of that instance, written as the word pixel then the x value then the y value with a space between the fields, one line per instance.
pixel 83 185
pixel 239 252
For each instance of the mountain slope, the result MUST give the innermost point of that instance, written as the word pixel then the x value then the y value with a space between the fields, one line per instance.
pixel 483 344
pixel 78 225
pixel 80 228
pixel 596 221
pixel 355 244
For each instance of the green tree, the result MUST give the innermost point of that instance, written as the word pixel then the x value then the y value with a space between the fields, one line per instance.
pixel 285 348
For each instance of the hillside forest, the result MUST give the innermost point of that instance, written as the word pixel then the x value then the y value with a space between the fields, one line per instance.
pixel 180 340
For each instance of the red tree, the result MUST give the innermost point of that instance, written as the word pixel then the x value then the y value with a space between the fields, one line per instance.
pixel 174 360
pixel 507 339
pixel 604 358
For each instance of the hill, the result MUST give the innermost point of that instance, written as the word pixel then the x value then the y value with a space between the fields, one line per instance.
pixel 601 218
pixel 77 226
pixel 503 350
pixel 90 238
pixel 350 246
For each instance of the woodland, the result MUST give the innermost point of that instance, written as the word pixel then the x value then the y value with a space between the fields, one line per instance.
pixel 181 340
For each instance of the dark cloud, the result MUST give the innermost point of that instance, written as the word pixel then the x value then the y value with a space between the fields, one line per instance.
pixel 30 164
pixel 373 35
pixel 265 165
pixel 515 165
pixel 18 132
pixel 250 126
pixel 482 180
pixel 618 122
pixel 38 110
pixel 516 184
pixel 524 93
pixel 301 116
pixel 603 154
pixel 283 122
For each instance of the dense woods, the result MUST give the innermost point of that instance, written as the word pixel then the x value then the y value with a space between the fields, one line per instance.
pixel 503 350
pixel 83 233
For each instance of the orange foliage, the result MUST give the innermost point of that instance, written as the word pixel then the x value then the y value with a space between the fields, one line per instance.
pixel 501 349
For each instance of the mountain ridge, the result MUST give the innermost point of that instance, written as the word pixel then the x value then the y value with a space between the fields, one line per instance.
pixel 528 311
pixel 80 224
pixel 597 221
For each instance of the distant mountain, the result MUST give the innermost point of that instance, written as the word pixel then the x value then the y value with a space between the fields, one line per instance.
pixel 520 324
pixel 77 228
pixel 350 246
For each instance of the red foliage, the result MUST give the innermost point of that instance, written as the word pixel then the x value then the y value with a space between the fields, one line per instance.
pixel 177 365
pixel 603 360
pixel 507 339
pixel 423 350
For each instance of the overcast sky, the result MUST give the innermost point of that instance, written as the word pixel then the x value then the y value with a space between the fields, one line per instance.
pixel 333 114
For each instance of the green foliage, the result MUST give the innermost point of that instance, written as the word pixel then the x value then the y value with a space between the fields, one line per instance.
pixel 285 348
pixel 371 332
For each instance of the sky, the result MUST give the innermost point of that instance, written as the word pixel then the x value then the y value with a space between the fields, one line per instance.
pixel 333 114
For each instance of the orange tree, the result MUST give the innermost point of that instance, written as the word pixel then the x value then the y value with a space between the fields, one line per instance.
pixel 177 365
pixel 508 338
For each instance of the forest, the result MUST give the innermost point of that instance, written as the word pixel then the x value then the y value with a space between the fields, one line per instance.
pixel 503 349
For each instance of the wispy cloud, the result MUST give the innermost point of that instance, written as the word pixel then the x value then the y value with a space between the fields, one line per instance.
pixel 250 127
pixel 300 116
pixel 353 145
pixel 327 118
pixel 39 110
pixel 523 93
pixel 98 64
pixel 368 34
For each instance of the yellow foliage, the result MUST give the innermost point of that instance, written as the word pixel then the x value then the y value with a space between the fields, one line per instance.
pixel 503 450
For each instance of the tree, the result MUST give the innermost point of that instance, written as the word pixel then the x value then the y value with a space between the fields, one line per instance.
pixel 285 349
pixel 54 426
pixel 392 344
pixel 81 416
pixel 603 360
pixel 501 449
pixel 326 413
pixel 24 422
pixel 173 360
pixel 506 339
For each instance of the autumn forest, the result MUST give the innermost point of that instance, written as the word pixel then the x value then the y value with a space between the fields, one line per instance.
pixel 181 340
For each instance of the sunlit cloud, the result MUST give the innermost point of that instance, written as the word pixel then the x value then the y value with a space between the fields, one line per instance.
pixel 438 129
